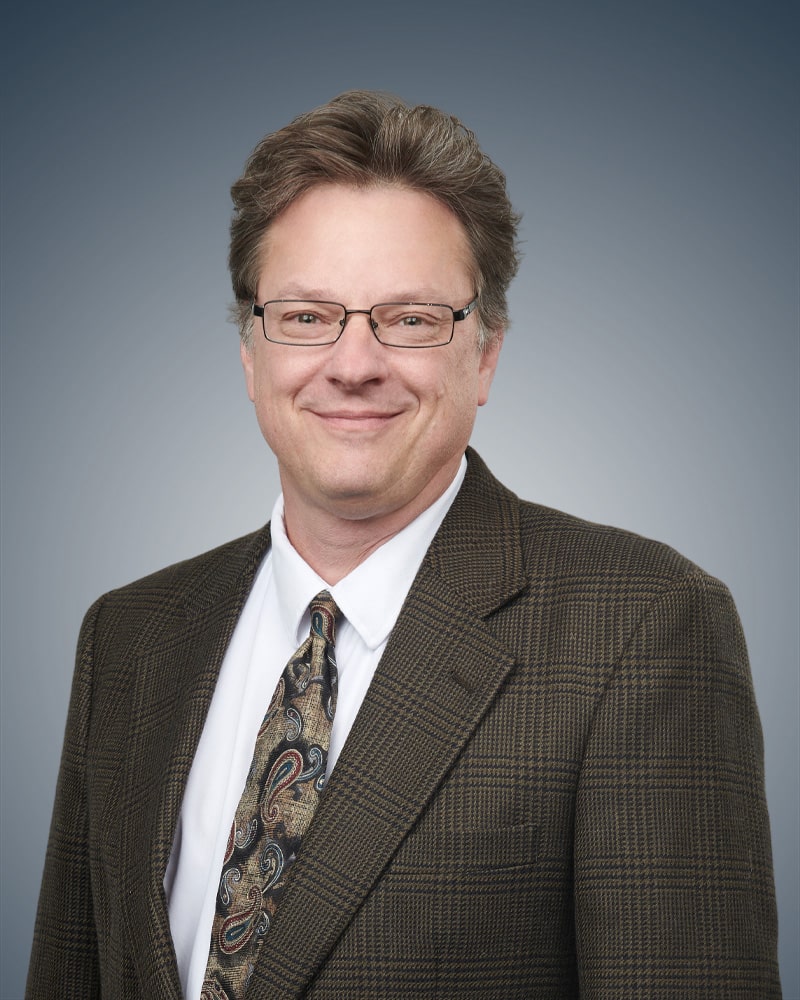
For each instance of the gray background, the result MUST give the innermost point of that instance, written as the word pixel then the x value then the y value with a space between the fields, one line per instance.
pixel 650 378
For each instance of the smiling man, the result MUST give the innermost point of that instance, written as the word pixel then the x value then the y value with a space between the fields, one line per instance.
pixel 416 737
pixel 368 430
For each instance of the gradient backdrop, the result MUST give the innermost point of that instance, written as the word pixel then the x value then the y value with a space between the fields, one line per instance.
pixel 650 379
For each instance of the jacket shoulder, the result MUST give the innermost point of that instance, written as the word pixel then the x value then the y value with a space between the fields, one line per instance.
pixel 217 564
pixel 573 546
pixel 187 591
pixel 556 546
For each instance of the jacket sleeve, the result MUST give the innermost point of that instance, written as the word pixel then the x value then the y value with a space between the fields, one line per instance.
pixel 674 890
pixel 64 959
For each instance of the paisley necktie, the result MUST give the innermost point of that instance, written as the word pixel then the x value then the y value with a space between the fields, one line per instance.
pixel 277 805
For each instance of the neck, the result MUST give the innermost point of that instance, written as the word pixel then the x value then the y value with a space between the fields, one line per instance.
pixel 335 541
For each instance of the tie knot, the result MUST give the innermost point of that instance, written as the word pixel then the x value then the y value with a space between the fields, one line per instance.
pixel 324 614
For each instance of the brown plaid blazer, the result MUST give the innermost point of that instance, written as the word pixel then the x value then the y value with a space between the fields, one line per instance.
pixel 554 787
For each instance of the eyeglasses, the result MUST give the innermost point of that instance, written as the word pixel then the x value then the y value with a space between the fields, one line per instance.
pixel 305 323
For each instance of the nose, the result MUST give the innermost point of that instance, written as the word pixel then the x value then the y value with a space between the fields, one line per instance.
pixel 358 357
pixel 358 312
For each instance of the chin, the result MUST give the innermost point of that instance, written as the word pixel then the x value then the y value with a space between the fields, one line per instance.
pixel 350 476
pixel 352 494
pixel 357 498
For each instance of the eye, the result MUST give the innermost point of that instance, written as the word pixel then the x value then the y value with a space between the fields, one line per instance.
pixel 305 316
pixel 393 317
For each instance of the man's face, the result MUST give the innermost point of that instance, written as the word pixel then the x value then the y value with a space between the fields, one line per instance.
pixel 361 430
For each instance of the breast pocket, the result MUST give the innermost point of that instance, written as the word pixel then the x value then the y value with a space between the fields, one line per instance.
pixel 463 895
pixel 493 848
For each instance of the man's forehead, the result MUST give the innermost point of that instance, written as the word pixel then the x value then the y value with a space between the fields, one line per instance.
pixel 328 216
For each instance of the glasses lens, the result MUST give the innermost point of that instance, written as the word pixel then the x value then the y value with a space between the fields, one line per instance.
pixel 412 324
pixel 291 321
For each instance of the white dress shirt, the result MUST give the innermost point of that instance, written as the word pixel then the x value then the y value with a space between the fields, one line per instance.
pixel 274 622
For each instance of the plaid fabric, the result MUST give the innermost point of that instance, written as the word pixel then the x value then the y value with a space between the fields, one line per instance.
pixel 554 787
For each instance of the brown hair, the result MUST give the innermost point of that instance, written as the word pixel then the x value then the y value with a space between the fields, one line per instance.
pixel 363 138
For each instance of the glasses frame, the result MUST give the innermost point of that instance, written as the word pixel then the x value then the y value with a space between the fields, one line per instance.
pixel 458 315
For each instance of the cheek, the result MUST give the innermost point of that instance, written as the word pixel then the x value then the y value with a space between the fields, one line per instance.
pixel 276 378
pixel 451 379
pixel 464 382
pixel 265 397
pixel 453 399
pixel 281 385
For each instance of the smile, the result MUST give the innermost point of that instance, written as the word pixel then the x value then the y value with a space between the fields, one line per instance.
pixel 352 420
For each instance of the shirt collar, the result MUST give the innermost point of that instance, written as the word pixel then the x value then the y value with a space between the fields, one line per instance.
pixel 371 596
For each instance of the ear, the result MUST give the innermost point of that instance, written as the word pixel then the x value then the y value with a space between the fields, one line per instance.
pixel 246 354
pixel 488 365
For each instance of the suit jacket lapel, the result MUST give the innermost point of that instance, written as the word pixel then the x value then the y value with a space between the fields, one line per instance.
pixel 186 662
pixel 440 672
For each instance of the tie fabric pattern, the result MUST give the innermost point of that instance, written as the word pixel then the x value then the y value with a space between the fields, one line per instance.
pixel 280 797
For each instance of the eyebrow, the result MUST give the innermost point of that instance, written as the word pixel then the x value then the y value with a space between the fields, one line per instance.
pixel 423 295
pixel 299 292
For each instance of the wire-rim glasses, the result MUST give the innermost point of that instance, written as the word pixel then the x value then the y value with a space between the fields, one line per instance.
pixel 312 323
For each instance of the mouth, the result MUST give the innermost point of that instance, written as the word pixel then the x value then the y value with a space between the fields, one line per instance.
pixel 355 421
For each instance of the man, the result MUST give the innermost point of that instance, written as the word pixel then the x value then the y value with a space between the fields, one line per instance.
pixel 543 753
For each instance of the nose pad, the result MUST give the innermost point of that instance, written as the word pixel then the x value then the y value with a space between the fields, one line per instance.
pixel 357 312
